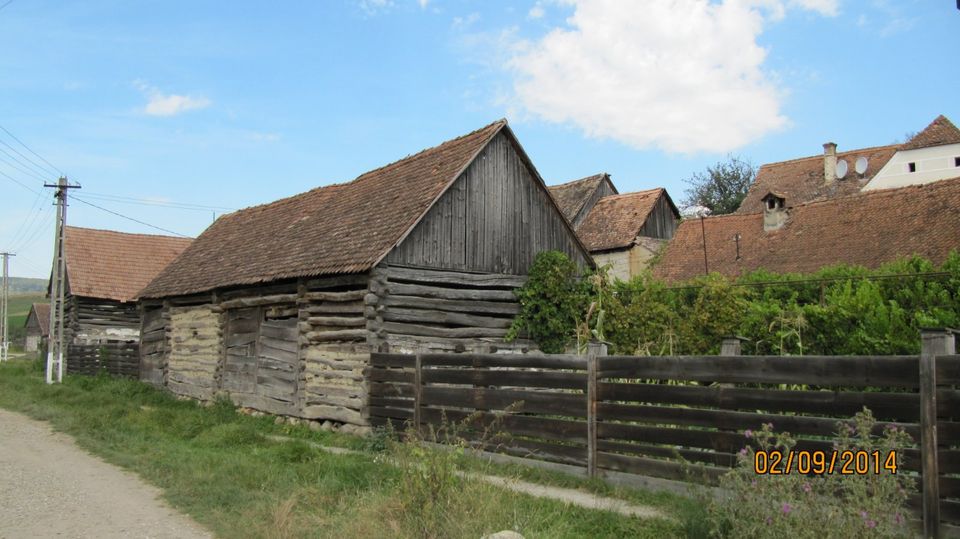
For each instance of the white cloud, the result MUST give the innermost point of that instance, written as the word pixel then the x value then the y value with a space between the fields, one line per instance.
pixel 372 7
pixel 683 75
pixel 423 3
pixel 536 12
pixel 827 8
pixel 160 104
pixel 466 22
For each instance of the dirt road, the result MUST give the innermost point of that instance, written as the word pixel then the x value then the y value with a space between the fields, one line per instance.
pixel 51 488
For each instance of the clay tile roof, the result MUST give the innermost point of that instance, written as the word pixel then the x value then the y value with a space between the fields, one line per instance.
pixel 571 196
pixel 616 220
pixel 342 228
pixel 116 265
pixel 42 312
pixel 866 229
pixel 941 131
pixel 801 180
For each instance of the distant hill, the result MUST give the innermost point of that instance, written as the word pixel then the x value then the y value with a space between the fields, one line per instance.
pixel 27 285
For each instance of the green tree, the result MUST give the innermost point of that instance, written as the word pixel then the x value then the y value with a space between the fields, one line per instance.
pixel 722 187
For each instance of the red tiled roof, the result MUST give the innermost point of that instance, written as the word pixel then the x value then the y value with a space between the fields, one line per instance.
pixel 801 180
pixel 342 228
pixel 866 229
pixel 42 312
pixel 615 221
pixel 115 265
pixel 941 131
pixel 571 196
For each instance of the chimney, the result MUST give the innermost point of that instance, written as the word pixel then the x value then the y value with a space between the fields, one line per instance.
pixel 774 212
pixel 829 163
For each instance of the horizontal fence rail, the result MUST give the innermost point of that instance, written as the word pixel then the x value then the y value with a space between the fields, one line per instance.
pixel 678 418
pixel 115 358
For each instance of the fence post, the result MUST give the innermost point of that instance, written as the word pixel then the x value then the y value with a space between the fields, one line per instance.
pixel 417 391
pixel 595 350
pixel 933 343
pixel 731 346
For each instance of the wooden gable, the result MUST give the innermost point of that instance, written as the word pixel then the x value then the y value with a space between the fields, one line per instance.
pixel 494 218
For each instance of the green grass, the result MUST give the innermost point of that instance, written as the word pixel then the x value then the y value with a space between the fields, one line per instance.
pixel 219 467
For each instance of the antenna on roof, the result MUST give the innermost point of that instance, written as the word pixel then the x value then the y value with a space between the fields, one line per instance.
pixel 861 165
pixel 841 169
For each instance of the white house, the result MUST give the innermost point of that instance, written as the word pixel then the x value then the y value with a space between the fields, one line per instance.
pixel 932 155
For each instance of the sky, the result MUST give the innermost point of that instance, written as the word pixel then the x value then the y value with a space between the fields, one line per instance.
pixel 172 113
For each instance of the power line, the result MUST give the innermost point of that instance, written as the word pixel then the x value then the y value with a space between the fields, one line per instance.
pixel 5 5
pixel 30 162
pixel 161 203
pixel 19 166
pixel 29 149
pixel 18 182
pixel 78 199
pixel 28 240
pixel 34 210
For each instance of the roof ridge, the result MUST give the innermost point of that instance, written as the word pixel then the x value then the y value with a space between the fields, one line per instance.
pixel 128 233
pixel 820 156
pixel 499 123
pixel 274 203
pixel 571 183
pixel 633 193
pixel 890 191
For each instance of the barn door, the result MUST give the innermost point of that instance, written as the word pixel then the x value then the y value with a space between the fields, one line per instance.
pixel 240 367
pixel 278 364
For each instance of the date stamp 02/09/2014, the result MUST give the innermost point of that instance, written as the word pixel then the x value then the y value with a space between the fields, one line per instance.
pixel 846 462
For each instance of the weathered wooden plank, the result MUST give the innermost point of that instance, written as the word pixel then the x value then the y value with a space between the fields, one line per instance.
pixel 337 335
pixel 451 305
pixel 416 275
pixel 336 281
pixel 391 389
pixel 884 405
pixel 389 375
pixel 877 371
pixel 391 360
pixel 451 293
pixel 517 425
pixel 715 458
pixel 291 346
pixel 258 301
pixel 730 420
pixel 335 413
pixel 350 295
pixel 527 402
pixel 279 333
pixel 430 331
pixel 398 314
pixel 660 468
pixel 507 378
pixel 948 370
pixel 345 321
pixel 566 362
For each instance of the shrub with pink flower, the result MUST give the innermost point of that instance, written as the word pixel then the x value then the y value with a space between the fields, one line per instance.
pixel 797 505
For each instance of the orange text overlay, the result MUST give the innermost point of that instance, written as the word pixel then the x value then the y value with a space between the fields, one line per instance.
pixel 825 462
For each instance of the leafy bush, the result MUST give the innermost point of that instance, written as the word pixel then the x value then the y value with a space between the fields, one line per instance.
pixel 763 505
pixel 835 311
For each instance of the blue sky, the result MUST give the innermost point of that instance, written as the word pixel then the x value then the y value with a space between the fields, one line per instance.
pixel 228 105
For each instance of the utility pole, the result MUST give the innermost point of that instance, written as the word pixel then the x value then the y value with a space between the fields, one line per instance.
pixel 55 351
pixel 4 310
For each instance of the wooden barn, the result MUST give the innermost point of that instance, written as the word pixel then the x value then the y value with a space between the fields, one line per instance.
pixel 105 271
pixel 280 305
pixel 37 327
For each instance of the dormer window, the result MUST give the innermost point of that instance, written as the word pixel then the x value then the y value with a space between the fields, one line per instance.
pixel 774 202
pixel 911 167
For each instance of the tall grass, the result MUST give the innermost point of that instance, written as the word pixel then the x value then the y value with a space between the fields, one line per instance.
pixel 224 470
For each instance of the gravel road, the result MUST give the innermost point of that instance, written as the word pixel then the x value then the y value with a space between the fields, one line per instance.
pixel 51 488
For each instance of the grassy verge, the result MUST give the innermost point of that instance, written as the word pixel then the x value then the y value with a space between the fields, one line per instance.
pixel 219 467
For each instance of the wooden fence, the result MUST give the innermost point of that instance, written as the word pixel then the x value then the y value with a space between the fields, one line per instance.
pixel 116 358
pixel 654 416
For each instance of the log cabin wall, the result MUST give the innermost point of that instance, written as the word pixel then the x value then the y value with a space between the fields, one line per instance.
pixel 416 309
pixel 495 218
pixel 195 349
pixel 94 321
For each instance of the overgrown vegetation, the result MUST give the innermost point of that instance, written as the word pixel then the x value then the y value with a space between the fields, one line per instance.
pixel 722 187
pixel 229 472
pixel 841 310
pixel 828 505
